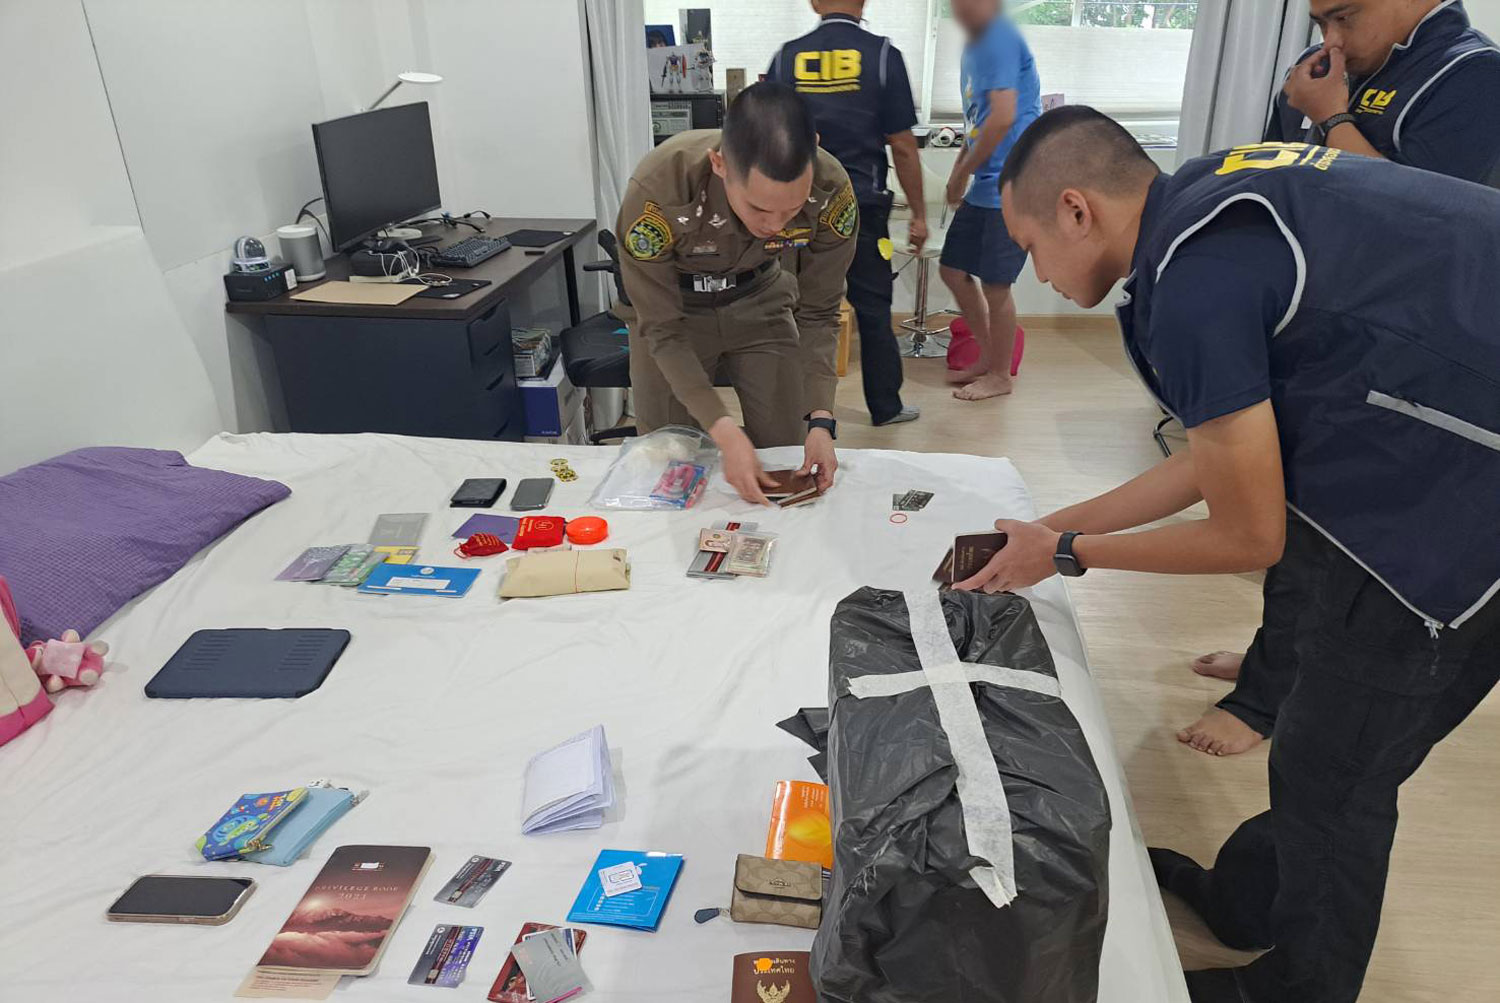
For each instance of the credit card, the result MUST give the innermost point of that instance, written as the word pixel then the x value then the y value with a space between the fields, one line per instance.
pixel 510 985
pixel 446 957
pixel 477 876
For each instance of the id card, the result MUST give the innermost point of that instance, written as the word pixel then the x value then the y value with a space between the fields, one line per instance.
pixel 473 880
pixel 446 956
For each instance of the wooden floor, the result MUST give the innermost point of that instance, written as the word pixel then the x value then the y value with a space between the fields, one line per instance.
pixel 1079 423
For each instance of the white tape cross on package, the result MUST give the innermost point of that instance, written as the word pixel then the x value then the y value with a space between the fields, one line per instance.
pixel 981 794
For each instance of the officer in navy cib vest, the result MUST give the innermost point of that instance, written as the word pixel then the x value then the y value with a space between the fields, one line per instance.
pixel 1433 102
pixel 1385 370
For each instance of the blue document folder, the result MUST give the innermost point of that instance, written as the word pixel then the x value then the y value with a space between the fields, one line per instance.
pixel 419 580
pixel 640 909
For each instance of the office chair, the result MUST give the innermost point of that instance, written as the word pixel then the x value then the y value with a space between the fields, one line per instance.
pixel 596 351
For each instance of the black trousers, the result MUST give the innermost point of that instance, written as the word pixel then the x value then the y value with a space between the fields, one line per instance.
pixel 870 286
pixel 1372 691
pixel 1270 665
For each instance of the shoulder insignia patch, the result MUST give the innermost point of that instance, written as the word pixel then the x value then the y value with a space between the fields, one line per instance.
pixel 650 235
pixel 842 213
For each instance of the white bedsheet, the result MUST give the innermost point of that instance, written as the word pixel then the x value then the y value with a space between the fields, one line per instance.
pixel 437 703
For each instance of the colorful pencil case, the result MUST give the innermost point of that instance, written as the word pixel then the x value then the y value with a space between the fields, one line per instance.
pixel 320 808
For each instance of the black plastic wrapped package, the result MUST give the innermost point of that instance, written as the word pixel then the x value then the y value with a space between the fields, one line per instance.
pixel 912 914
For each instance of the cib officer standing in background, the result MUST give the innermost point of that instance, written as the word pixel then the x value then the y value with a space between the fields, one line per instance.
pixel 856 86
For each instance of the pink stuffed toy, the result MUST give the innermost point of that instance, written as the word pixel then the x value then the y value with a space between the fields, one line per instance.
pixel 23 702
pixel 67 662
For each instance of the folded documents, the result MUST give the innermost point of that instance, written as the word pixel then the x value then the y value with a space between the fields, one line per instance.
pixel 569 786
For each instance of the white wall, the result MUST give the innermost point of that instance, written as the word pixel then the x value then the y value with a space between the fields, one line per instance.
pixel 192 124
pixel 1485 15
pixel 91 351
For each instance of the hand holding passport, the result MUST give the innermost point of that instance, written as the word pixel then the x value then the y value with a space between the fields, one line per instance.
pixel 968 556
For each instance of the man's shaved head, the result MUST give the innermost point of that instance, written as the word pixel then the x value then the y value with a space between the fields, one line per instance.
pixel 1073 190
pixel 1073 147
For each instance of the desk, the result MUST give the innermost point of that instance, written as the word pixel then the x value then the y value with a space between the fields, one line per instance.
pixel 426 366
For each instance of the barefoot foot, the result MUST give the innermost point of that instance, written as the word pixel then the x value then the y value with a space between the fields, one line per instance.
pixel 987 386
pixel 969 375
pixel 1219 665
pixel 1220 733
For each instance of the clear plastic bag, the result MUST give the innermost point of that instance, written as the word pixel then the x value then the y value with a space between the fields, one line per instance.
pixel 667 469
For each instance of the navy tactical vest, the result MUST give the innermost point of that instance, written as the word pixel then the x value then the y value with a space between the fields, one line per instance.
pixel 1385 370
pixel 1380 103
pixel 840 71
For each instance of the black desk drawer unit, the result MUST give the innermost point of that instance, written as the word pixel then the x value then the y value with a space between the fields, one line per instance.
pixel 453 379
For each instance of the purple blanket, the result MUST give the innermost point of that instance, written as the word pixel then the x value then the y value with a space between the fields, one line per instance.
pixel 84 533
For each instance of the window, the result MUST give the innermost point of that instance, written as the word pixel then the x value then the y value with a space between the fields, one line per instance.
pixel 1126 59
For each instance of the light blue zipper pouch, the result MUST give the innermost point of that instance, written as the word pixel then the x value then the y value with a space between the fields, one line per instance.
pixel 320 808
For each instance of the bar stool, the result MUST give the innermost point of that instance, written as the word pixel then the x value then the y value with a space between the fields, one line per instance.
pixel 927 342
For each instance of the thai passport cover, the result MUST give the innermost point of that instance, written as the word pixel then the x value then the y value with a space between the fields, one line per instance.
pixel 345 919
pixel 772 977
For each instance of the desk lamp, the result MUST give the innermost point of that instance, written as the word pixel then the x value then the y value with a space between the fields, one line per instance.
pixel 409 77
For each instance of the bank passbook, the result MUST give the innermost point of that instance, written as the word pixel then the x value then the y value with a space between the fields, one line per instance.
pixel 968 555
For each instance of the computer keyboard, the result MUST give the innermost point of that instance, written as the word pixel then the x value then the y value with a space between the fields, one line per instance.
pixel 470 251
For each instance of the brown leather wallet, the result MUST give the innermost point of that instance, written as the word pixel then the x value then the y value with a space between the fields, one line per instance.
pixel 785 892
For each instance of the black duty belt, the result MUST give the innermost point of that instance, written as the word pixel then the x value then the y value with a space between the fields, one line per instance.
pixel 695 283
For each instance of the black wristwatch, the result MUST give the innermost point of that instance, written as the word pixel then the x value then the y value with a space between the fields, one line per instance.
pixel 1334 121
pixel 825 423
pixel 1064 560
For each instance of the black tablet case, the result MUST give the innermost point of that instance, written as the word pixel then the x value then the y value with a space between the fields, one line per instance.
pixel 250 662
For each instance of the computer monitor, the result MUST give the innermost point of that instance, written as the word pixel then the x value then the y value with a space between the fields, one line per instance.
pixel 378 169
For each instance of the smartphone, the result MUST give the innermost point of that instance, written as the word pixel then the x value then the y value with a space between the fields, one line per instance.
pixel 478 492
pixel 531 494
pixel 167 898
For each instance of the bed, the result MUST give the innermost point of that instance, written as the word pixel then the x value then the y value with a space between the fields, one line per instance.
pixel 437 704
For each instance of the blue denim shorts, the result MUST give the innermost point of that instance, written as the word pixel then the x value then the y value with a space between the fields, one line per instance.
pixel 978 243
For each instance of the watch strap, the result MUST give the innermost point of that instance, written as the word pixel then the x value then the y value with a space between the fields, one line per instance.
pixel 1334 121
pixel 1064 559
pixel 828 424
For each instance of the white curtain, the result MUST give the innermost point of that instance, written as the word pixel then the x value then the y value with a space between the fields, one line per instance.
pixel 1241 50
pixel 622 101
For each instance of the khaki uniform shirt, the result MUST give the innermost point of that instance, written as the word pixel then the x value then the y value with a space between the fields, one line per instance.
pixel 676 220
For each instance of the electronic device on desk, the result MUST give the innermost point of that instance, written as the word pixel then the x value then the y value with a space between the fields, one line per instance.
pixel 674 113
pixel 470 251
pixel 377 169
pixel 253 276
pixel 384 261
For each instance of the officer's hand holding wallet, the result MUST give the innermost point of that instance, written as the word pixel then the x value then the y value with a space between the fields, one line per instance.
pixel 818 452
pixel 742 467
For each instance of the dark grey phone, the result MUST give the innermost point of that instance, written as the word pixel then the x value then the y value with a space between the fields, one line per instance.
pixel 532 494
pixel 168 898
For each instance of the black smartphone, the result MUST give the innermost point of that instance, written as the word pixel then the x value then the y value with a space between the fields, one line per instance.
pixel 532 494
pixel 168 898
pixel 478 492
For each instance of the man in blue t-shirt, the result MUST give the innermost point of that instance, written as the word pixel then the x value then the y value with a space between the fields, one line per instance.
pixel 1002 96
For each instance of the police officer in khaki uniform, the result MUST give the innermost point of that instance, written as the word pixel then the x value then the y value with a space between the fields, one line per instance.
pixel 736 244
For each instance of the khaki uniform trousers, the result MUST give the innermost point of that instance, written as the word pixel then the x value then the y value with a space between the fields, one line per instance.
pixel 746 337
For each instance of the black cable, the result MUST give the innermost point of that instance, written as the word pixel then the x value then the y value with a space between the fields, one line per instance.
pixel 303 212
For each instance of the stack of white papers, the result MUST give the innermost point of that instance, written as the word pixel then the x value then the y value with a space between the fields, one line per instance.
pixel 569 786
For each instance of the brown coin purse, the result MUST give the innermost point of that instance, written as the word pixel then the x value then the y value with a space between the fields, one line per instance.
pixel 785 892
